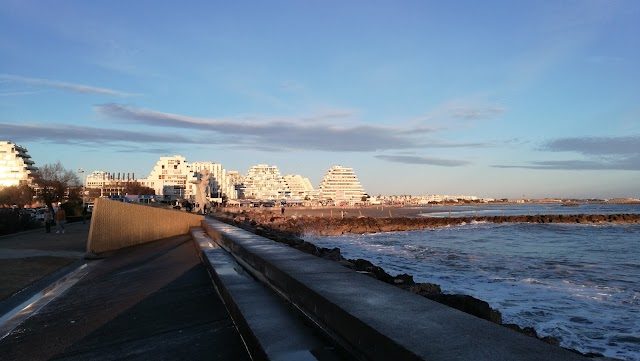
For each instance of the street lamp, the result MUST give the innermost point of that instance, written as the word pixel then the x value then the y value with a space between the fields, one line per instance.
pixel 80 170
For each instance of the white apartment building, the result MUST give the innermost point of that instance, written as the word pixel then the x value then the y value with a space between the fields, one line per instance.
pixel 16 165
pixel 108 183
pixel 236 179
pixel 219 185
pixel 300 187
pixel 97 179
pixel 340 185
pixel 264 182
pixel 173 178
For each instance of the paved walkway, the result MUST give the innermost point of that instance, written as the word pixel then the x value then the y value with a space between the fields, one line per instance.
pixel 27 259
pixel 153 301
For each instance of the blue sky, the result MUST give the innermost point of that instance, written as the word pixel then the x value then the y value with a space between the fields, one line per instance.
pixel 487 98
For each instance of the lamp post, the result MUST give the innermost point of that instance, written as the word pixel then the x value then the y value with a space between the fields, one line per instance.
pixel 80 170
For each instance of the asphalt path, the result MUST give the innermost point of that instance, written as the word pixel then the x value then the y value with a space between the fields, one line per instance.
pixel 153 301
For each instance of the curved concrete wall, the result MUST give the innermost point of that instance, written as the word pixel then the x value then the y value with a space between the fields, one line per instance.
pixel 116 225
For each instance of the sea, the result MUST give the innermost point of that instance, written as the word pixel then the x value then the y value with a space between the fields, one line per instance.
pixel 579 283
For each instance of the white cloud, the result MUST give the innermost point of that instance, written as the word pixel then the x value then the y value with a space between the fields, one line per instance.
pixel 70 87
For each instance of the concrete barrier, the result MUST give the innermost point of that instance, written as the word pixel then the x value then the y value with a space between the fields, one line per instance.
pixel 371 319
pixel 116 225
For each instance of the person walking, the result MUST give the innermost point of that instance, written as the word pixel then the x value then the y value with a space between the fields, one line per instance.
pixel 60 217
pixel 85 210
pixel 48 219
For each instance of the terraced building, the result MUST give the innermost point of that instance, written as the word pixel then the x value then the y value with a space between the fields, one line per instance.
pixel 340 185
pixel 16 166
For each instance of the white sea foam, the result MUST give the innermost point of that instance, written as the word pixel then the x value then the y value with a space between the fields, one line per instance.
pixel 578 283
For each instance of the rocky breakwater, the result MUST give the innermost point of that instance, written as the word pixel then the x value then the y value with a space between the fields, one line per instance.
pixel 359 225
pixel 291 230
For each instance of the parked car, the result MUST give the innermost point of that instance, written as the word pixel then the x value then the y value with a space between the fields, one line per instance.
pixel 40 214
pixel 30 212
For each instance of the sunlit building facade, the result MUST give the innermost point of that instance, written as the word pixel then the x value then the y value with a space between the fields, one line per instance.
pixel 109 184
pixel 16 166
pixel 340 185
pixel 173 178
pixel 219 184
pixel 264 182
pixel 236 179
pixel 300 187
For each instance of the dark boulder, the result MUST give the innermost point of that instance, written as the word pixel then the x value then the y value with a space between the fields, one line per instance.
pixel 468 304
pixel 425 289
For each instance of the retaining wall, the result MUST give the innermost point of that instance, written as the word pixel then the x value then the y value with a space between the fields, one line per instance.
pixel 116 225
pixel 370 318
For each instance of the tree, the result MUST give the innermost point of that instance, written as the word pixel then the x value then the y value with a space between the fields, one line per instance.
pixel 19 195
pixel 56 183
pixel 138 188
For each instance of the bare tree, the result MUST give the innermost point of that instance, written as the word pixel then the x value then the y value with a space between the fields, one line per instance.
pixel 19 195
pixel 56 183
pixel 138 188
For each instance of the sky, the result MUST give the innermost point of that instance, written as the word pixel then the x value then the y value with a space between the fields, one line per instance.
pixel 499 99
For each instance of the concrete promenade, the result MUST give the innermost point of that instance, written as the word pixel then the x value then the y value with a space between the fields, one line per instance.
pixel 156 301
pixel 153 301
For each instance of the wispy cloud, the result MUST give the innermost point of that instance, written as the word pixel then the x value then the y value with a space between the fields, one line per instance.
pixel 413 159
pixel 283 133
pixel 334 130
pixel 624 163
pixel 6 94
pixel 595 145
pixel 291 87
pixel 69 134
pixel 475 112
pixel 465 110
pixel 602 153
pixel 70 87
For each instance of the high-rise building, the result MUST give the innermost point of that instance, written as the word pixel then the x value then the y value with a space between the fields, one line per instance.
pixel 173 178
pixel 16 165
pixel 340 185
pixel 264 182
pixel 300 187
pixel 110 184
pixel 236 179
pixel 219 184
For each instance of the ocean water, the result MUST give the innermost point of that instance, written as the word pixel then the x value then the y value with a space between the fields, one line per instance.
pixel 579 283
pixel 527 209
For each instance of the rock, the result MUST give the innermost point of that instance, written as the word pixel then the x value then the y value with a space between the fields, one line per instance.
pixel 424 289
pixel 551 340
pixel 364 265
pixel 530 331
pixel 308 248
pixel 332 254
pixel 403 279
pixel 468 304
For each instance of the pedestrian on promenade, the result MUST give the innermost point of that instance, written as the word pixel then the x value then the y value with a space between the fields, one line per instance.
pixel 48 219
pixel 85 210
pixel 60 217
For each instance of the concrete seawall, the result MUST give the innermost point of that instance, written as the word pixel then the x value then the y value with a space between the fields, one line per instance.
pixel 371 319
pixel 116 225
pixel 365 318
